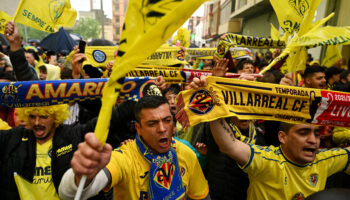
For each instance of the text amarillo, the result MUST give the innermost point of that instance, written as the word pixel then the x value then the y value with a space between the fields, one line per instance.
pixel 48 91
pixel 263 101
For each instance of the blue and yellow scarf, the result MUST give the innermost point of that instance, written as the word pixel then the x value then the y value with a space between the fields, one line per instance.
pixel 164 181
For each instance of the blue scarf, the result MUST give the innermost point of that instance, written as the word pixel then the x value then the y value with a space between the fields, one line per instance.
pixel 164 181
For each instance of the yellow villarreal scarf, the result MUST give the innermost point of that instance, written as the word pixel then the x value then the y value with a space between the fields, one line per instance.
pixel 251 139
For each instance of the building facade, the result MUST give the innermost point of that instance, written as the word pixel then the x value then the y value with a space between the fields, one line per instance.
pixel 118 16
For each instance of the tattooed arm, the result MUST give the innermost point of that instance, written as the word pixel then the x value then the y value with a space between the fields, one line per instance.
pixel 228 144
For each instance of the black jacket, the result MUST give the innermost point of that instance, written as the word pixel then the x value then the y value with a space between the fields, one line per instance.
pixel 21 67
pixel 18 154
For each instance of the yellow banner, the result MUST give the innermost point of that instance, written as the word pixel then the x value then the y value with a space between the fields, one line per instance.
pixel 200 52
pixel 143 32
pixel 246 41
pixel 253 42
pixel 45 15
pixel 249 100
pixel 170 76
pixel 98 56
pixel 166 56
pixel 4 18
pixel 332 56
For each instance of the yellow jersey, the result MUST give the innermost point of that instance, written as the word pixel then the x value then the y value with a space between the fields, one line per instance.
pixel 130 171
pixel 43 175
pixel 273 176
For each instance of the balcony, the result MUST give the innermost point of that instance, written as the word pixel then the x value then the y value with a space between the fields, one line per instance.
pixel 232 26
pixel 251 8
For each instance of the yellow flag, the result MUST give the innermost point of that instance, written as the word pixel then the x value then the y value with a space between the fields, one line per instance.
pixel 4 18
pixel 45 15
pixel 290 13
pixel 275 35
pixel 147 25
pixel 332 56
pixel 30 191
pixel 324 36
pixel 98 56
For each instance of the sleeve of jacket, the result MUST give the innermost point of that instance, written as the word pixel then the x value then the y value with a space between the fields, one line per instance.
pixel 21 66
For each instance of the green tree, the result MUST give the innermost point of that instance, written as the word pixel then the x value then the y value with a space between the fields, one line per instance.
pixel 31 32
pixel 88 28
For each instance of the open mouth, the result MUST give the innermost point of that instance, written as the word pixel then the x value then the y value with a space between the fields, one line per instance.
pixel 39 129
pixel 164 142
pixel 310 150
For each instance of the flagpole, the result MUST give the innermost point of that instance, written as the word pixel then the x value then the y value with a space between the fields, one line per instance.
pixel 80 188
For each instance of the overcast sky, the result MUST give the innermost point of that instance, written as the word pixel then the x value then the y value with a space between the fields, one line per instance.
pixel 107 6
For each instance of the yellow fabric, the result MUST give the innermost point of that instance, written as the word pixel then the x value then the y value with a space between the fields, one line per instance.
pixel 273 176
pixel 166 56
pixel 303 32
pixel 98 56
pixel 141 36
pixel 200 52
pixel 232 39
pixel 53 72
pixel 332 56
pixel 290 13
pixel 43 173
pixel 251 139
pixel 4 18
pixel 341 136
pixel 324 36
pixel 244 99
pixel 275 35
pixel 45 15
pixel 170 76
pixel 184 36
pixel 129 171
pixel 4 125
pixel 42 186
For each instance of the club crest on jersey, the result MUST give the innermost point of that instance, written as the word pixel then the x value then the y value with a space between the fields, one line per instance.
pixel 203 101
pixel 298 196
pixel 313 179
pixel 183 171
pixel 164 175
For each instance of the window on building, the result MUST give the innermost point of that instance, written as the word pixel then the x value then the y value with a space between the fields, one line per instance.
pixel 241 3
pixel 233 6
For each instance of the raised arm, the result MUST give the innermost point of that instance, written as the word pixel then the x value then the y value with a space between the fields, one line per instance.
pixel 228 144
pixel 17 57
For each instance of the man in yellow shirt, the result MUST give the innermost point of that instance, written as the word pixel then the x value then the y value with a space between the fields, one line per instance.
pixel 154 166
pixel 295 170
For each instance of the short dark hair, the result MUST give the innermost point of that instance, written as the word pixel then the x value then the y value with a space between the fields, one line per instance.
pixel 344 74
pixel 148 102
pixel 332 71
pixel 7 76
pixel 171 89
pixel 243 62
pixel 35 55
pixel 309 71
pixel 285 127
pixel 42 69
